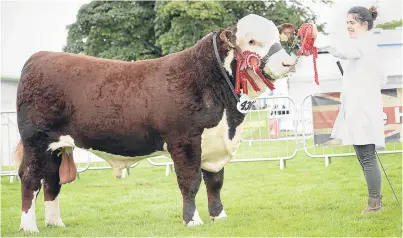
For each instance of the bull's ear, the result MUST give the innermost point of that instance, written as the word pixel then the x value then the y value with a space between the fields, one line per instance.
pixel 225 35
pixel 228 36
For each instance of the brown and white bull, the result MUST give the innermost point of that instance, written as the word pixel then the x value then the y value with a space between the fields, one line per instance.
pixel 180 103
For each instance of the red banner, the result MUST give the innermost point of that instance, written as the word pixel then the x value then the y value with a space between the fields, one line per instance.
pixel 325 108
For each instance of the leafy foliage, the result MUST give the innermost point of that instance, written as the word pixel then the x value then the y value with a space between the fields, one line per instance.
pixel 131 30
pixel 391 24
pixel 180 24
pixel 119 29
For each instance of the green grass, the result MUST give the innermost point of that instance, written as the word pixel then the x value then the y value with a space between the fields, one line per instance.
pixel 305 199
pixel 9 78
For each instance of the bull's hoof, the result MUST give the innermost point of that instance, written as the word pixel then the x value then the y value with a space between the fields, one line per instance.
pixel 196 220
pixel 57 223
pixel 222 215
pixel 28 221
pixel 195 223
pixel 28 228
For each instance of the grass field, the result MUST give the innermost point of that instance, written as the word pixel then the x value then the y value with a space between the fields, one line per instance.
pixel 305 199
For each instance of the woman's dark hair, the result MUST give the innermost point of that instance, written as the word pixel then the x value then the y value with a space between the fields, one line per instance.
pixel 363 14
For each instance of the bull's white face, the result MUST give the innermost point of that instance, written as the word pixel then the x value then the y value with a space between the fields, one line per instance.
pixel 258 34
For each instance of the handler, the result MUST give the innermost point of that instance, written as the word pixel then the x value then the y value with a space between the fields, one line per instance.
pixel 360 119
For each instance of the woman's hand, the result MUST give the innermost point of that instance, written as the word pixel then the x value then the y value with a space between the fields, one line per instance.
pixel 314 31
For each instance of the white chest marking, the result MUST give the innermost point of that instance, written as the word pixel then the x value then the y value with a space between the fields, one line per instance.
pixel 217 148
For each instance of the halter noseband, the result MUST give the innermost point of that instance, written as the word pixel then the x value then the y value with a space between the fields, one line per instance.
pixel 273 49
pixel 276 47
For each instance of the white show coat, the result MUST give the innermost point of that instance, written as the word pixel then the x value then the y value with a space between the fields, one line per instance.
pixel 360 119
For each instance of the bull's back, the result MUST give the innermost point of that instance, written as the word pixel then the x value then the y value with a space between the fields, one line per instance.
pixel 57 80
pixel 88 82
pixel 94 100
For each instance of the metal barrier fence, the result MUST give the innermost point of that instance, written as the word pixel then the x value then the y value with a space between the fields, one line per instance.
pixel 272 131
pixel 9 137
pixel 9 140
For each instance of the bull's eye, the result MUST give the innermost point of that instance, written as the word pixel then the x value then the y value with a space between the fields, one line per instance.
pixel 252 42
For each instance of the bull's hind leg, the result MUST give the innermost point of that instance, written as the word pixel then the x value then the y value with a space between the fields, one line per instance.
pixel 186 154
pixel 31 172
pixel 214 183
pixel 51 188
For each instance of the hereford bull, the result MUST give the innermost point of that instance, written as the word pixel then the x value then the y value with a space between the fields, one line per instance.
pixel 179 103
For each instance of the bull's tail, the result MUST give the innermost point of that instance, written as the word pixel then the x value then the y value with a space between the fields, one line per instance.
pixel 19 153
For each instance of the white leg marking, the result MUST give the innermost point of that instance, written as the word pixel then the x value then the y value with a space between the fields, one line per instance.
pixel 196 220
pixel 222 215
pixel 28 219
pixel 52 213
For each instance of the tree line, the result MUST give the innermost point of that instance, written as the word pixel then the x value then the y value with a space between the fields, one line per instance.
pixel 135 30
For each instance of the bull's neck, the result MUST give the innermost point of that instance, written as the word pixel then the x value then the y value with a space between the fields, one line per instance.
pixel 204 58
pixel 204 53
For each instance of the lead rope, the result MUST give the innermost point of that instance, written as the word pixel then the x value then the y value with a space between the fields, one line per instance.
pixel 305 32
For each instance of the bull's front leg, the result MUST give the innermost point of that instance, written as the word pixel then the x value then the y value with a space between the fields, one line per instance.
pixel 186 154
pixel 214 183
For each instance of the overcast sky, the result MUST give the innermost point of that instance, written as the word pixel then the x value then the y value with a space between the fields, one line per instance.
pixel 31 26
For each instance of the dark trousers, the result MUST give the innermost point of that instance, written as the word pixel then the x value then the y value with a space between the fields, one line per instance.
pixel 367 158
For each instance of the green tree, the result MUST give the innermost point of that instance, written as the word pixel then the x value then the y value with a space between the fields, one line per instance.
pixel 130 30
pixel 179 25
pixel 391 24
pixel 114 29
